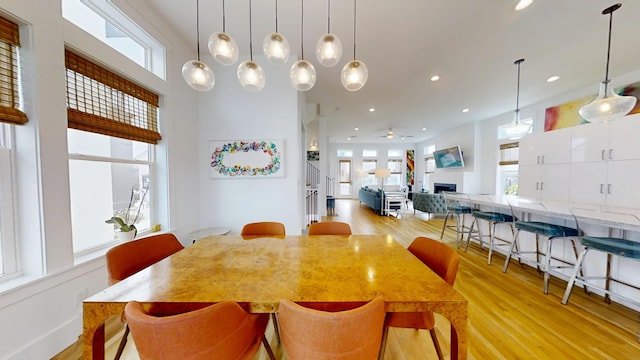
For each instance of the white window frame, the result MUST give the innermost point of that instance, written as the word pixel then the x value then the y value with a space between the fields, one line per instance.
pixel 8 241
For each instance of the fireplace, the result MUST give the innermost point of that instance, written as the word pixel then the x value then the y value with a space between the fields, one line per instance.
pixel 440 187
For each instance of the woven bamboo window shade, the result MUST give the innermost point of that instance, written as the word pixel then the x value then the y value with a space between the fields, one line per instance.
pixel 509 153
pixel 102 102
pixel 9 67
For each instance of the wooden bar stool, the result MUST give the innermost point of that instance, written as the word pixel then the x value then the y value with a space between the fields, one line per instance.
pixel 493 218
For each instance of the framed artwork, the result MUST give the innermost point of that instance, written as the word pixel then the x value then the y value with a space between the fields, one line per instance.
pixel 410 166
pixel 313 155
pixel 246 158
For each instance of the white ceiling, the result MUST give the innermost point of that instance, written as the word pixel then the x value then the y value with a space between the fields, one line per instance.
pixel 471 44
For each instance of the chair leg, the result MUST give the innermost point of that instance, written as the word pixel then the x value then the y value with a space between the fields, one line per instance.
pixel 267 347
pixel 432 332
pixel 492 234
pixel 444 225
pixel 383 343
pixel 123 343
pixel 276 328
pixel 547 265
pixel 473 223
pixel 511 248
pixel 572 279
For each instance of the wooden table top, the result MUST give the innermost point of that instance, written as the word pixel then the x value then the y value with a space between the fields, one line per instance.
pixel 261 271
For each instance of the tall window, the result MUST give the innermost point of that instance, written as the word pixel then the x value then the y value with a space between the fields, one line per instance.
pixel 368 171
pixel 429 166
pixel 508 169
pixel 395 165
pixel 112 130
pixel 10 113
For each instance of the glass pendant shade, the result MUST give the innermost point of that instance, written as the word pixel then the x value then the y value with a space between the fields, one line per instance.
pixel 276 49
pixel 607 105
pixel 302 75
pixel 354 75
pixel 517 129
pixel 251 76
pixel 223 48
pixel 329 50
pixel 198 75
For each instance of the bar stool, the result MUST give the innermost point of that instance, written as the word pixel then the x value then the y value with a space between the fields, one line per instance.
pixel 493 218
pixel 459 211
pixel 609 244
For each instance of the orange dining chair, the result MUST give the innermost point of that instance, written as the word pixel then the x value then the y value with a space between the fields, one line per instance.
pixel 266 228
pixel 128 258
pixel 444 261
pixel 314 334
pixel 329 228
pixel 219 331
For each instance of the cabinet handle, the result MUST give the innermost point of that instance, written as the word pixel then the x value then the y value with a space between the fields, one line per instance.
pixel 610 154
pixel 602 155
pixel 601 188
pixel 542 162
pixel 537 185
pixel 609 189
pixel 538 160
pixel 541 185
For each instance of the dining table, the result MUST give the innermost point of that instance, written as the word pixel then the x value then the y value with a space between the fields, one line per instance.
pixel 257 272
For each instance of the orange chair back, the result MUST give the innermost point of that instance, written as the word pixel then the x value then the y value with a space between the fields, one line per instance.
pixel 438 256
pixel 329 228
pixel 264 228
pixel 350 335
pixel 220 331
pixel 128 258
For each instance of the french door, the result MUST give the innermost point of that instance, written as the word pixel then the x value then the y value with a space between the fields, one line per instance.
pixel 344 180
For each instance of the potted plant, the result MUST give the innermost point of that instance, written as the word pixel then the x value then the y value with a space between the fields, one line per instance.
pixel 124 223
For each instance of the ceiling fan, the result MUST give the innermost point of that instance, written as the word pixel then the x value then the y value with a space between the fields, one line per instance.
pixel 390 135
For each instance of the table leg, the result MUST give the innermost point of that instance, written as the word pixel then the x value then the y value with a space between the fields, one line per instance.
pixel 93 316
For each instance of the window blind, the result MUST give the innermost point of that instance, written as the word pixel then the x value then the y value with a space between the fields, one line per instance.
pixel 509 153
pixel 103 102
pixel 10 111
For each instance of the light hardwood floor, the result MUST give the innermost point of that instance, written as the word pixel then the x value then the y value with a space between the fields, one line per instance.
pixel 509 316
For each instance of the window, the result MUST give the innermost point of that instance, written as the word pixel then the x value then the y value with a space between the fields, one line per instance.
pixel 395 165
pixel 369 169
pixel 369 153
pixel 112 130
pixel 344 153
pixel 111 26
pixel 508 169
pixel 394 153
pixel 10 113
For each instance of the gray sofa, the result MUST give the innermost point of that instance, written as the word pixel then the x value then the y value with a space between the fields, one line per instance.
pixel 373 199
pixel 429 203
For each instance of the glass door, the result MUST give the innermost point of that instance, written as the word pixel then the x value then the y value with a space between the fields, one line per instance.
pixel 344 185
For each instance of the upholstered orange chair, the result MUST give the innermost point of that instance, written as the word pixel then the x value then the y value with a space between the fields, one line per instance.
pixel 266 228
pixel 128 258
pixel 329 228
pixel 444 261
pixel 313 334
pixel 220 331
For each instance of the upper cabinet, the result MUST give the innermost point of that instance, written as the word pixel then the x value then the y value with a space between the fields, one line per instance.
pixel 606 141
pixel 551 147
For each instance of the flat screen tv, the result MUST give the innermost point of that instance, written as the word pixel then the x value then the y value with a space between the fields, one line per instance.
pixel 449 158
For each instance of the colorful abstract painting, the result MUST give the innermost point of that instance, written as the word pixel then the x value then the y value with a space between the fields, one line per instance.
pixel 566 115
pixel 410 166
pixel 233 159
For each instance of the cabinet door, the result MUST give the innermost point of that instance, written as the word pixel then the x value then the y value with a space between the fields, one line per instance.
pixel 554 182
pixel 622 188
pixel 529 150
pixel 590 142
pixel 528 181
pixel 624 138
pixel 588 182
pixel 555 146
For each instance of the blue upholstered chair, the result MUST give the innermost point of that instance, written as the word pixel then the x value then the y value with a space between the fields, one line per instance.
pixel 614 245
pixel 493 219
pixel 457 210
pixel 551 232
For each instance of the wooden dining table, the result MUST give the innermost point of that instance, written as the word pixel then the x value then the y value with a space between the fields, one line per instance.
pixel 257 272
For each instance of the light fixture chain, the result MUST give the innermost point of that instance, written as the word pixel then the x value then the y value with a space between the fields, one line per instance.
pixel 198 28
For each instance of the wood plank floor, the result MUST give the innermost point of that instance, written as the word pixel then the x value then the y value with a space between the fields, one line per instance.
pixel 509 316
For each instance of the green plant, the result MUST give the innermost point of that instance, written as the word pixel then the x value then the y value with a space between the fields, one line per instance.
pixel 123 224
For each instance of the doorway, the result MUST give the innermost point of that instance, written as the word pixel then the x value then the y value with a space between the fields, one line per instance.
pixel 344 180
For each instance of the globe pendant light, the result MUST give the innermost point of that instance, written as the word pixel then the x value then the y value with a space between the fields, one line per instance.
pixel 222 46
pixel 302 73
pixel 355 73
pixel 329 46
pixel 275 46
pixel 607 105
pixel 517 129
pixel 196 73
pixel 250 74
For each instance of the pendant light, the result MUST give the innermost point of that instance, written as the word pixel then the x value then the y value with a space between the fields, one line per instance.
pixel 250 74
pixel 329 46
pixel 222 46
pixel 607 105
pixel 302 73
pixel 196 73
pixel 275 46
pixel 355 73
pixel 517 129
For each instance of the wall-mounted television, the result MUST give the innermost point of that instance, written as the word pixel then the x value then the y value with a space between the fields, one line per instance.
pixel 448 158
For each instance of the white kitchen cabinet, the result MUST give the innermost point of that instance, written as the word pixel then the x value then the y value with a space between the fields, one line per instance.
pixel 552 147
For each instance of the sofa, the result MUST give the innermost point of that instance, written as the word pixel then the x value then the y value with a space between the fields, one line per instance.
pixel 373 199
pixel 429 203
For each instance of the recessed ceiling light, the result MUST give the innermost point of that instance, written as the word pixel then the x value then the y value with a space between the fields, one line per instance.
pixel 523 4
pixel 465 110
pixel 553 78
pixel 424 129
pixel 356 128
pixel 349 138
pixel 372 109
pixel 435 78
pixel 403 138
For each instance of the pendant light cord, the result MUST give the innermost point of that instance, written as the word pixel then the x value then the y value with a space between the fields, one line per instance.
pixel 606 72
pixel 198 28
pixel 354 29
pixel 517 120
pixel 224 19
pixel 250 34
pixel 302 29
pixel 328 16
pixel 276 16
